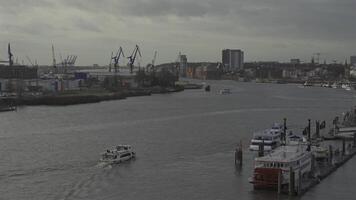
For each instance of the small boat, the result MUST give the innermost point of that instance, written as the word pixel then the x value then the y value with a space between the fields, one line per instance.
pixel 225 91
pixel 279 162
pixel 118 154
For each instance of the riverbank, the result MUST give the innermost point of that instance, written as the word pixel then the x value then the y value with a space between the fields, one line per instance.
pixel 84 97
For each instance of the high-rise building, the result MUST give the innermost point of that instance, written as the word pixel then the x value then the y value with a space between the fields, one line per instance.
pixel 183 65
pixel 233 59
pixel 353 60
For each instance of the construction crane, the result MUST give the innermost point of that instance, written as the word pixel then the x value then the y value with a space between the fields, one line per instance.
pixel 151 66
pixel 133 57
pixel 112 54
pixel 29 60
pixel 154 58
pixel 116 59
pixel 54 57
pixel 11 62
pixel 10 56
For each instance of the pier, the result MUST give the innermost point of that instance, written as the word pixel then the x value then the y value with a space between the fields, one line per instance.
pixel 327 152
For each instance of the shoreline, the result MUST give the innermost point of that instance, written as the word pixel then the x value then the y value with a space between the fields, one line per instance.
pixel 89 97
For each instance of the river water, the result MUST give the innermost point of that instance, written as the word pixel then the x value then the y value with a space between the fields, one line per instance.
pixel 184 141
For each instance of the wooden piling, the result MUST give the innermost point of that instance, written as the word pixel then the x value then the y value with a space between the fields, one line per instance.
pixel 309 136
pixel 313 163
pixel 299 182
pixel 317 127
pixel 291 182
pixel 284 139
pixel 343 146
pixel 238 155
pixel 279 182
pixel 331 154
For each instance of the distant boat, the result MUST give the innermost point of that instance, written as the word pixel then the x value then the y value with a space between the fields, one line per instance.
pixel 307 84
pixel 4 107
pixel 119 154
pixel 225 91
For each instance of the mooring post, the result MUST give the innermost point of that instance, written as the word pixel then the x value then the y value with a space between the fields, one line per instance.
pixel 317 127
pixel 330 154
pixel 291 181
pixel 343 146
pixel 312 163
pixel 299 182
pixel 238 155
pixel 309 137
pixel 279 181
pixel 285 130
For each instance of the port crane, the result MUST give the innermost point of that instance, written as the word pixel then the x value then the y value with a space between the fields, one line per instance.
pixel 151 66
pixel 10 61
pixel 30 61
pixel 133 57
pixel 116 59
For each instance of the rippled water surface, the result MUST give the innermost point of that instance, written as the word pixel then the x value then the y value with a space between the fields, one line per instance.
pixel 184 141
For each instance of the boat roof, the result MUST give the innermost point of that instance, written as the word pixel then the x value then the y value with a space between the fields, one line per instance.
pixel 286 153
pixel 277 126
pixel 266 132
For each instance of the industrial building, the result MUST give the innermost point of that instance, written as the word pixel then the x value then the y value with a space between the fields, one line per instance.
pixel 18 72
pixel 183 65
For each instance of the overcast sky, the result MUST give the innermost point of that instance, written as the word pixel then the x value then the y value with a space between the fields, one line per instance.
pixel 265 29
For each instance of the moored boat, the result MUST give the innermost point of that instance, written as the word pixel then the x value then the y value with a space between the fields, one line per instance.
pixel 277 165
pixel 270 138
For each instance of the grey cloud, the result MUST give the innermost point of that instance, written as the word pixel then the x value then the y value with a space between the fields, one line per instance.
pixel 321 23
pixel 86 25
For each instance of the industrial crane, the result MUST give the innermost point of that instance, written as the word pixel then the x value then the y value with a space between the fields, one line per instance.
pixel 116 59
pixel 11 62
pixel 151 66
pixel 29 60
pixel 133 57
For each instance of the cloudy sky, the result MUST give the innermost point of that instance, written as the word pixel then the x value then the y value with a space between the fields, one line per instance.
pixel 265 29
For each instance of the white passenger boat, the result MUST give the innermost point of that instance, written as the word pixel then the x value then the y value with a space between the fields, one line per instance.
pixel 271 138
pixel 279 162
pixel 118 154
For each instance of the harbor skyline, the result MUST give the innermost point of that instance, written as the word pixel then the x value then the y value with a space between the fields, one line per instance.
pixel 267 31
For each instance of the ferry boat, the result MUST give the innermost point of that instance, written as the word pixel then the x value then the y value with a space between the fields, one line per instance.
pixel 271 138
pixel 281 161
pixel 118 154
